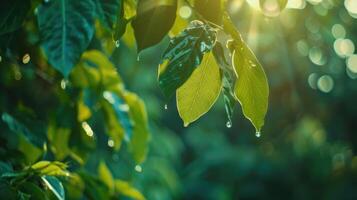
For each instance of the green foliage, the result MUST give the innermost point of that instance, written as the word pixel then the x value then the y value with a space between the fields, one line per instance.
pixel 71 106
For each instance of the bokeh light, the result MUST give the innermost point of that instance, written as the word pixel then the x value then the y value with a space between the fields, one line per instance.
pixel 325 83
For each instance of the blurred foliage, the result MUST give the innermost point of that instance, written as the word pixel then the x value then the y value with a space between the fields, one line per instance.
pixel 86 136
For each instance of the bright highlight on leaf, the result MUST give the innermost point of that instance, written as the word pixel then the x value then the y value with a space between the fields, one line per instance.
pixel 251 88
pixel 198 94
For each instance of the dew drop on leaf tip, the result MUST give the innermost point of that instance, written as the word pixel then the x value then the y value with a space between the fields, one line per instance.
pixel 165 107
pixel 117 43
pixel 229 124
pixel 257 134
pixel 138 168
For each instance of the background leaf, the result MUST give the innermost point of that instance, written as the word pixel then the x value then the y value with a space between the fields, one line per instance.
pixel 198 94
pixel 153 21
pixel 12 14
pixel 66 28
pixel 55 186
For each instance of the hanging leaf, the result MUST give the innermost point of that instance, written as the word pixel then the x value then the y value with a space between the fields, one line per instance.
pixel 210 10
pixel 55 186
pixel 184 53
pixel 139 141
pixel 66 28
pixel 198 94
pixel 251 87
pixel 229 79
pixel 153 21
pixel 106 176
pixel 12 14
pixel 108 11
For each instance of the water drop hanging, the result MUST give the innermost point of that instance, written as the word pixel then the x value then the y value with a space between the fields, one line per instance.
pixel 229 124
pixel 26 58
pixel 165 106
pixel 117 43
pixel 138 168
pixel 257 134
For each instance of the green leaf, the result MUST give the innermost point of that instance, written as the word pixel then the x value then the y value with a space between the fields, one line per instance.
pixel 124 188
pixel 19 128
pixel 184 53
pixel 153 21
pixel 139 141
pixel 251 87
pixel 210 10
pixel 121 110
pixel 34 191
pixel 107 11
pixel 229 79
pixel 12 15
pixel 198 94
pixel 55 186
pixel 66 28
pixel 105 175
pixel 48 168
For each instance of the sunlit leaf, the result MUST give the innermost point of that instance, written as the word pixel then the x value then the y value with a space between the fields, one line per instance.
pixel 251 87
pixel 12 14
pixel 49 168
pixel 184 53
pixel 153 21
pixel 272 8
pixel 198 94
pixel 55 186
pixel 66 28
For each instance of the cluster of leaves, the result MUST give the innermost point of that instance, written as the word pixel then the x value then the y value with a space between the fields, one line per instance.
pixel 66 119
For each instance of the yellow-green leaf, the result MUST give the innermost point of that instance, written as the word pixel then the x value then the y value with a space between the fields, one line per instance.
pixel 197 95
pixel 105 175
pixel 251 88
pixel 124 188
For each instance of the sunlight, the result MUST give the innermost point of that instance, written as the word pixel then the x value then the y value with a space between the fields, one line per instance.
pixel 254 4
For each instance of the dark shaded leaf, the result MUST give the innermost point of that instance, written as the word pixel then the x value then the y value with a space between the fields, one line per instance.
pixel 184 53
pixel 153 21
pixel 66 28
pixel 12 14
pixel 107 11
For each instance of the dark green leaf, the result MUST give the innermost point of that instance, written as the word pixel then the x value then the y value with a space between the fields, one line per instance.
pixel 153 21
pixel 66 28
pixel 12 14
pixel 35 192
pixel 19 128
pixel 184 53
pixel 55 186
pixel 229 79
pixel 107 11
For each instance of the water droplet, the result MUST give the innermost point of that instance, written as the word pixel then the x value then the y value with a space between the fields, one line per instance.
pixel 138 168
pixel 0 58
pixel 185 124
pixel 117 43
pixel 257 134
pixel 229 124
pixel 138 58
pixel 63 84
pixel 165 106
pixel 271 8
pixel 111 143
pixel 26 58
pixel 87 129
